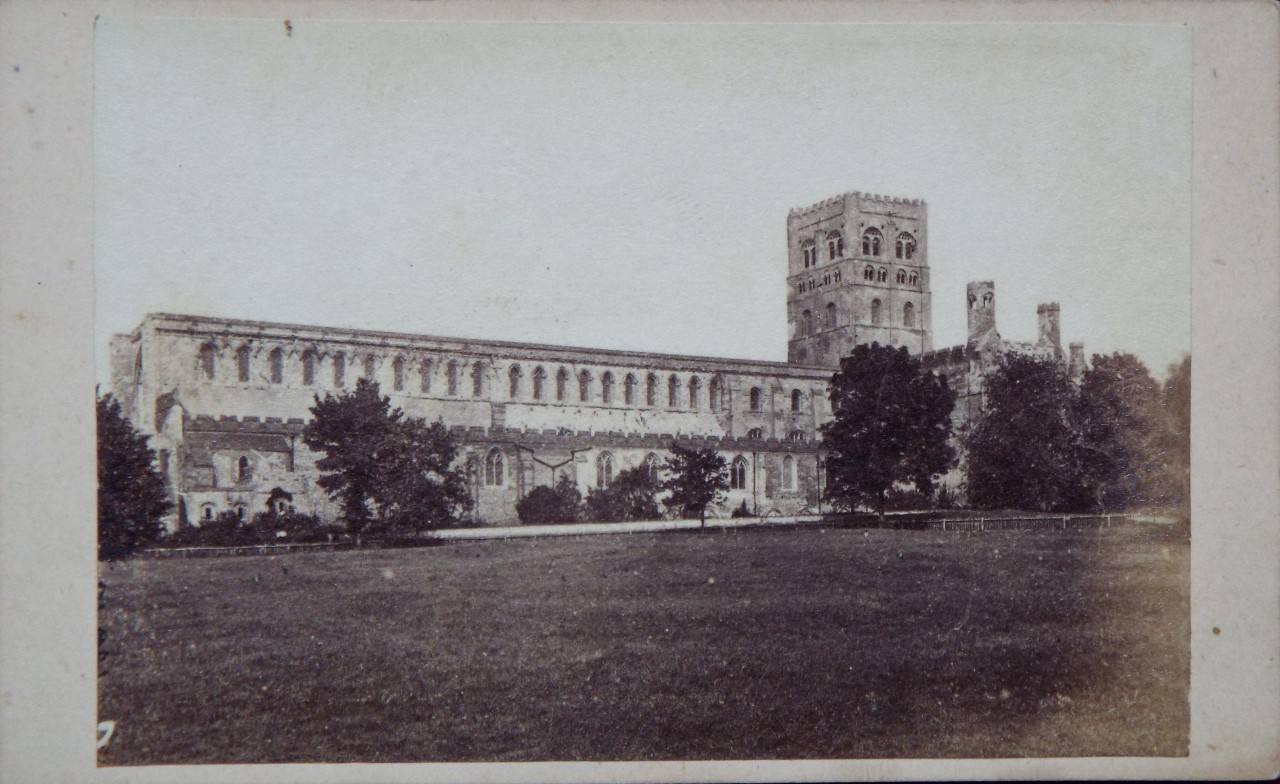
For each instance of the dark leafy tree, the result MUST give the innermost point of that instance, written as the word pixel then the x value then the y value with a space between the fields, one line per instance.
pixel 891 424
pixel 1122 428
pixel 132 500
pixel 696 479
pixel 1177 451
pixel 633 495
pixel 386 470
pixel 545 505
pixel 1023 451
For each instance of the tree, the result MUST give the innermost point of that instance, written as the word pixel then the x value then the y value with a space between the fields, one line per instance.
pixel 696 479
pixel 384 468
pixel 545 504
pixel 1121 426
pixel 891 424
pixel 1022 451
pixel 633 495
pixel 132 500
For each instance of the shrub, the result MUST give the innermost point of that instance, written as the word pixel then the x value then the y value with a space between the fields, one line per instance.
pixel 545 505
pixel 633 495
pixel 742 511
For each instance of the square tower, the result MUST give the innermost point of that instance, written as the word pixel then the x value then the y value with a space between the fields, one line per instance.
pixel 857 272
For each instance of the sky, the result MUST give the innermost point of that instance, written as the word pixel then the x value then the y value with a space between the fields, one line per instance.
pixel 626 186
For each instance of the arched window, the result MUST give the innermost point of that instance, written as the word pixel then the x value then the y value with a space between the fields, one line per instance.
pixel 493 465
pixel 905 247
pixel 987 299
pixel 369 367
pixel 875 312
pixel 275 360
pixel 788 473
pixel 606 387
pixel 835 245
pixel 806 323
pixel 755 399
pixel 756 433
pixel 424 376
pixel 908 315
pixel 397 374
pixel 308 367
pixel 810 254
pixel 244 469
pixel 913 279
pixel 242 363
pixel 695 390
pixel 562 384
pixel 584 386
pixel 868 273
pixel 513 379
pixel 651 390
pixel 831 315
pixel 451 377
pixel 796 398
pixel 208 360
pixel 738 473
pixel 796 435
pixel 539 378
pixel 882 275
pixel 477 379
pixel 836 275
pixel 653 466
pixel 673 392
pixel 811 284
pixel 604 470
pixel 871 241
pixel 629 390
pixel 206 512
pixel 901 277
pixel 716 391
pixel 339 369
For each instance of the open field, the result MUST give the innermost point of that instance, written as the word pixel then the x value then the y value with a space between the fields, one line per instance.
pixel 730 644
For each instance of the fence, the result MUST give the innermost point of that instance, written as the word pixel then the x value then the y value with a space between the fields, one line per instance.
pixel 1029 523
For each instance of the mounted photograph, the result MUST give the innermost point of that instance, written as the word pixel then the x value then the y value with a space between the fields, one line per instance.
pixel 511 392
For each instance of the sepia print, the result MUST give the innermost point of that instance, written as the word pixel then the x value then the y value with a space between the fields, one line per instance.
pixel 511 393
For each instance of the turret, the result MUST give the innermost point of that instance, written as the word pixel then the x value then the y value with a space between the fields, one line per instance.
pixel 1047 315
pixel 1076 367
pixel 982 314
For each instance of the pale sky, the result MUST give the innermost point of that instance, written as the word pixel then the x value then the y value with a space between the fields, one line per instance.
pixel 626 186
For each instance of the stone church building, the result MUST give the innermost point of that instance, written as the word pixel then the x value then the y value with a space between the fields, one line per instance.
pixel 225 401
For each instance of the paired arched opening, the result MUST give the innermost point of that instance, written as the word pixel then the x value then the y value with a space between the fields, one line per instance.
pixel 872 240
pixel 494 468
pixel 604 470
pixel 738 473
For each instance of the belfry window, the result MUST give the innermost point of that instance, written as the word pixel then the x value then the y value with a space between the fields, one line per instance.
pixel 835 245
pixel 493 468
pixel 242 364
pixel 875 312
pixel 905 247
pixel 902 277
pixel 810 252
pixel 738 474
pixel 882 275
pixel 604 470
pixel 908 315
pixel 513 382
pixel 208 358
pixel 914 279
pixel 871 242
pixel 606 387
pixel 539 378
pixel 869 273
pixel 397 374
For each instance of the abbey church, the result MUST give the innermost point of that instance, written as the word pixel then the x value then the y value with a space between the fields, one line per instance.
pixel 225 401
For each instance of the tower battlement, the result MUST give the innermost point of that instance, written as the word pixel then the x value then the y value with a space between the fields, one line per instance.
pixel 864 198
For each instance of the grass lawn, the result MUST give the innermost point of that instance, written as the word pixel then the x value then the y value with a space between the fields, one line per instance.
pixel 788 643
